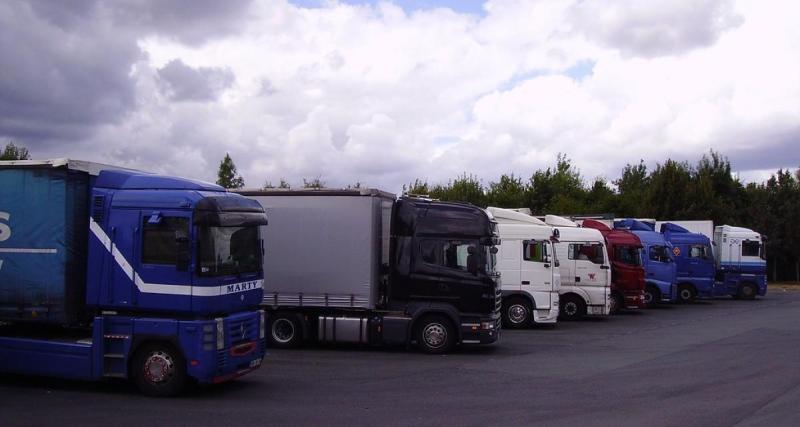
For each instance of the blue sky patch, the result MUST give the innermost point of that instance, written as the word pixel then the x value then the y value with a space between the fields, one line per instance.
pixel 473 7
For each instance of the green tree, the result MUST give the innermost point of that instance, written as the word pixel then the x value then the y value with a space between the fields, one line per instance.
pixel 557 190
pixel 12 152
pixel 282 184
pixel 632 190
pixel 316 183
pixel 601 198
pixel 227 176
pixel 508 192
pixel 419 188
pixel 667 195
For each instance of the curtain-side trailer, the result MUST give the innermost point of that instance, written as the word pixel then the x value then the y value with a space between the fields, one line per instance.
pixel 361 266
pixel 113 273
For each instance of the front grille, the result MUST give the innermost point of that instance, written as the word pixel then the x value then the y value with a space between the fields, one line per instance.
pixel 242 330
pixel 498 299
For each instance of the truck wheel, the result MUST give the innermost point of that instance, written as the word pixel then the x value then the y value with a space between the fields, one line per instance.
pixel 651 296
pixel 435 334
pixel 572 308
pixel 285 330
pixel 748 291
pixel 516 313
pixel 159 370
pixel 686 294
pixel 617 302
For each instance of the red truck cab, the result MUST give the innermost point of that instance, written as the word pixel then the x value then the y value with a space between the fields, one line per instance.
pixel 627 272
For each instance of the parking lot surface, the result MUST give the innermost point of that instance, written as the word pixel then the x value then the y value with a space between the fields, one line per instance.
pixel 721 362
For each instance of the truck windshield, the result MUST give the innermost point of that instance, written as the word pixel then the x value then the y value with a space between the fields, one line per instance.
pixel 229 251
pixel 629 255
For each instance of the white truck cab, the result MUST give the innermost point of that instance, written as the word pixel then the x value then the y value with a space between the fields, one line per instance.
pixel 585 269
pixel 528 266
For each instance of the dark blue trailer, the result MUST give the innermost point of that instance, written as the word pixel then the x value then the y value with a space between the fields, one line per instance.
pixel 107 272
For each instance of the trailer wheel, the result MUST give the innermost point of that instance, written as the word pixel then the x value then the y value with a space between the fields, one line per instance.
pixel 651 296
pixel 435 334
pixel 572 308
pixel 285 330
pixel 748 291
pixel 617 302
pixel 686 294
pixel 159 370
pixel 516 313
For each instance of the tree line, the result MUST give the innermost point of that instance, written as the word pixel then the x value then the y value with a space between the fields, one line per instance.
pixel 676 190
pixel 673 190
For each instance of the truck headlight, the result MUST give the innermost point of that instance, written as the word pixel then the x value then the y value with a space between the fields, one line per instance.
pixel 220 333
pixel 262 325
pixel 487 325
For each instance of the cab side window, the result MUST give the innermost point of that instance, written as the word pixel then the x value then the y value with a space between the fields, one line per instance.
pixel 592 252
pixel 159 239
pixel 534 251
pixel 750 248
pixel 697 251
pixel 658 253
pixel 450 254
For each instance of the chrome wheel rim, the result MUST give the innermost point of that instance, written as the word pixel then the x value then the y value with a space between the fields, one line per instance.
pixel 570 308
pixel 517 313
pixel 435 335
pixel 686 294
pixel 159 367
pixel 648 298
pixel 282 330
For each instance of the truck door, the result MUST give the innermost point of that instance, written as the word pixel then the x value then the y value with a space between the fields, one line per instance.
pixel 590 268
pixel 444 274
pixel 537 271
pixel 701 265
pixel 566 263
pixel 509 260
pixel 164 260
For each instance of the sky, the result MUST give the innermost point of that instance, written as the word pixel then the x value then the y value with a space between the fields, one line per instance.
pixel 383 92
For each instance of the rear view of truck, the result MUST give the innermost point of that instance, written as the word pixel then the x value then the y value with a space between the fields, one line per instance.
pixel 111 273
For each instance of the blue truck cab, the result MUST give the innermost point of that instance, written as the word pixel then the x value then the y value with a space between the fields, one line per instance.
pixel 694 261
pixel 114 273
pixel 659 266
pixel 741 262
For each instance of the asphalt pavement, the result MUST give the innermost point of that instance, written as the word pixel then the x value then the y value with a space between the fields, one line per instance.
pixel 714 363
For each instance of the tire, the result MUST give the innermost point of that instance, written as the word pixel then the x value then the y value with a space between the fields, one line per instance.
pixel 517 313
pixel 686 294
pixel 572 308
pixel 285 330
pixel 748 291
pixel 617 303
pixel 651 296
pixel 159 370
pixel 435 334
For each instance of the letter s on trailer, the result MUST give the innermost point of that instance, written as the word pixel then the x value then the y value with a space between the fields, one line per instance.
pixel 147 277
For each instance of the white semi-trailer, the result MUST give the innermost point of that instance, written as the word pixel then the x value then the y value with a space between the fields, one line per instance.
pixel 527 262
pixel 585 270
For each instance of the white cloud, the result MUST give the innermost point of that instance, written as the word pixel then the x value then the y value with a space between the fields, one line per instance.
pixel 381 96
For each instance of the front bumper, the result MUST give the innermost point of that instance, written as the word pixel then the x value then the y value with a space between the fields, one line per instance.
pixel 634 299
pixel 548 315
pixel 484 331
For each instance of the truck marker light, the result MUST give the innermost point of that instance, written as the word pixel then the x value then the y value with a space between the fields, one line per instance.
pixel 194 362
